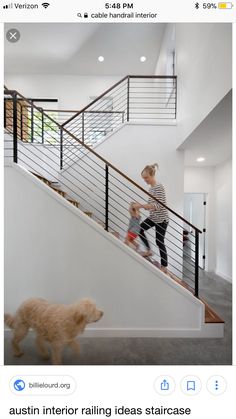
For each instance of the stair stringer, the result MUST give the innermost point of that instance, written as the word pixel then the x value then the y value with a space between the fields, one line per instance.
pixel 54 251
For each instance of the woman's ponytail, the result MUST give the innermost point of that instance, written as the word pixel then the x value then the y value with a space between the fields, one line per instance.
pixel 150 169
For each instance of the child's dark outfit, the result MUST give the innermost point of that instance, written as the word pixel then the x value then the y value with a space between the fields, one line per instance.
pixel 134 228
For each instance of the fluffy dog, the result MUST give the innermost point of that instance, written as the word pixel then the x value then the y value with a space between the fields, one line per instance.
pixel 57 324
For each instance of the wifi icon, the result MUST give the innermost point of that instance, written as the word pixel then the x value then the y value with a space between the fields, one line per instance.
pixel 45 5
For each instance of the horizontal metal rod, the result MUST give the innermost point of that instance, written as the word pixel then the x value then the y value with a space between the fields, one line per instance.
pixel 131 180
pixel 98 98
pixel 55 177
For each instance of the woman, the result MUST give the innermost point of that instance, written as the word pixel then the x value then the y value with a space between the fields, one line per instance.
pixel 158 215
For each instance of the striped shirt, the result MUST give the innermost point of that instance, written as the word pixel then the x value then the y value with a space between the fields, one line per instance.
pixel 159 214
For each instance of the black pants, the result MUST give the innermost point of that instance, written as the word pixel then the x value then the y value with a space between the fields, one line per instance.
pixel 160 236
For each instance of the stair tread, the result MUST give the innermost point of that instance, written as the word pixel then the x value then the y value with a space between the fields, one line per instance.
pixel 58 190
pixel 210 315
pixel 101 224
pixel 44 179
pixel 72 200
pixel 115 233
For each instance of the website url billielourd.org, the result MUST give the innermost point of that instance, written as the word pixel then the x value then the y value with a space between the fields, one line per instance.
pixel 49 385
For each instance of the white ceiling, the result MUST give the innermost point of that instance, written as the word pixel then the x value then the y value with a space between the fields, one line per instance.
pixel 212 139
pixel 71 48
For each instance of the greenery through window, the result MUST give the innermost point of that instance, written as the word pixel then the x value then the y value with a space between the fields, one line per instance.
pixel 44 129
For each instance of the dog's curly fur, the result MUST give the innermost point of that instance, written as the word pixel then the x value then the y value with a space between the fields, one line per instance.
pixel 57 324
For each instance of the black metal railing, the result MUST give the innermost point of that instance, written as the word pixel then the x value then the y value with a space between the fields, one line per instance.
pixel 95 183
pixel 132 99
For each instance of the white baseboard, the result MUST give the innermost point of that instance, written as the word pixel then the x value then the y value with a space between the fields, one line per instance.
pixel 208 331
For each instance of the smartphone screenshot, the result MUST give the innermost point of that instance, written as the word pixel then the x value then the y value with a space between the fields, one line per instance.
pixel 117 202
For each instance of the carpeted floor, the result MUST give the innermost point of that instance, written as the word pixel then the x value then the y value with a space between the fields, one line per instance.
pixel 148 351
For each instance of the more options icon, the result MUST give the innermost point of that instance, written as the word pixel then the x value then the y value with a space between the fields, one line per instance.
pixel 216 385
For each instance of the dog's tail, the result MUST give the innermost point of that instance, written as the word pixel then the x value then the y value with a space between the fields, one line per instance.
pixel 9 320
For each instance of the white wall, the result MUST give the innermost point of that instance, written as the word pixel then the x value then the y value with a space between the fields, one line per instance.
pixel 212 138
pixel 223 219
pixel 216 182
pixel 165 59
pixel 137 145
pixel 55 252
pixel 203 68
pixel 73 92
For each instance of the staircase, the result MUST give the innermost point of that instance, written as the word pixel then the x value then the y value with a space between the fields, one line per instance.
pixel 55 186
pixel 99 189
pixel 210 315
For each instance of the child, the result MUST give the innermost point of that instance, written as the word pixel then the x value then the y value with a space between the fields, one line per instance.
pixel 134 227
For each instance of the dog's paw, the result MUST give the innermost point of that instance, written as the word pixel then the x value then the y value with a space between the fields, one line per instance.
pixel 45 357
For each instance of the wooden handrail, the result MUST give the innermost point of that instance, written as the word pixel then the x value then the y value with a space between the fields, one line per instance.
pixel 106 161
pixel 112 87
pixel 151 77
pixel 95 100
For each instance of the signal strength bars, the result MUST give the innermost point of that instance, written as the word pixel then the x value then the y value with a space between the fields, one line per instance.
pixel 8 6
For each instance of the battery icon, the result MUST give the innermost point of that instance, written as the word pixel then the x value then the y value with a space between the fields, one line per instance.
pixel 227 5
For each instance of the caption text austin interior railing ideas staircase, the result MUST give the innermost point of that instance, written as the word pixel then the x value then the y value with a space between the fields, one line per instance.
pixel 50 144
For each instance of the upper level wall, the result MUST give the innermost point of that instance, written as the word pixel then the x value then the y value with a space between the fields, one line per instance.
pixel 204 70
pixel 203 64
pixel 167 53
pixel 72 92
